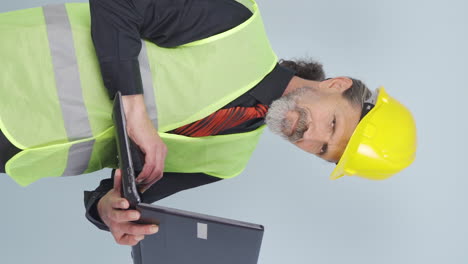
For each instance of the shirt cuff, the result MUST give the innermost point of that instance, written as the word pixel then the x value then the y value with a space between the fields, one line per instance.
pixel 91 200
pixel 123 76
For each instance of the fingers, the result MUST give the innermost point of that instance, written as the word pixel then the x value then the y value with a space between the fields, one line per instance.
pixel 128 240
pixel 154 167
pixel 124 231
pixel 141 130
pixel 138 229
pixel 147 170
pixel 145 187
pixel 118 180
pixel 121 216
pixel 131 233
pixel 114 212
pixel 120 204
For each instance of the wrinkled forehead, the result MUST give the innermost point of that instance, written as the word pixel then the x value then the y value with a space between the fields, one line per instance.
pixel 336 150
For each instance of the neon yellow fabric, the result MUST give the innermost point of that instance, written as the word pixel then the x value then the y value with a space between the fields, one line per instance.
pixel 257 58
pixel 51 160
pixel 94 94
pixel 383 143
pixel 224 156
pixel 28 73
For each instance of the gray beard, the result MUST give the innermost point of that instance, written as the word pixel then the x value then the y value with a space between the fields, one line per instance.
pixel 276 116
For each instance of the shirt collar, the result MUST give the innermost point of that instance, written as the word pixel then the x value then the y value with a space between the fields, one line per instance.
pixel 273 85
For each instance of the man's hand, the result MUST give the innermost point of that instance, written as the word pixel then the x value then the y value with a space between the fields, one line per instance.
pixel 111 209
pixel 141 130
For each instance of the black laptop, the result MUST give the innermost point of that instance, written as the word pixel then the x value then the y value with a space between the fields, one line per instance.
pixel 184 237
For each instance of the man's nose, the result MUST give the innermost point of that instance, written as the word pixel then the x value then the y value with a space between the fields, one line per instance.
pixel 318 134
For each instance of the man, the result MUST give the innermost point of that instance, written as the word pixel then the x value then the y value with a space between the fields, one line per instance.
pixel 317 115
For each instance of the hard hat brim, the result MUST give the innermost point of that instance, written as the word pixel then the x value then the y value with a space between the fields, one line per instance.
pixel 340 169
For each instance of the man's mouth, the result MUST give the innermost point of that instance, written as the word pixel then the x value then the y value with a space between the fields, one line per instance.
pixel 298 126
pixel 291 121
pixel 294 126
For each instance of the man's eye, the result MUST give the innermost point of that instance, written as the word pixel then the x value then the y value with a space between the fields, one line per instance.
pixel 324 148
pixel 333 122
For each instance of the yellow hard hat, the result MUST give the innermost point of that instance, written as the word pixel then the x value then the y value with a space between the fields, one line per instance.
pixel 383 143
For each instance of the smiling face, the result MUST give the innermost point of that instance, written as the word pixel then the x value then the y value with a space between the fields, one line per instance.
pixel 319 120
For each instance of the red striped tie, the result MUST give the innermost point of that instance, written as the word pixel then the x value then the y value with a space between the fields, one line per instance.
pixel 221 120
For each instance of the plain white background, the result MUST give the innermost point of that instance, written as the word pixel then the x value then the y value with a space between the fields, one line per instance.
pixel 416 49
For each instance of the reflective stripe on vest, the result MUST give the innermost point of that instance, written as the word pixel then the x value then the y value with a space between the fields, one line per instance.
pixel 67 80
pixel 67 75
pixel 147 81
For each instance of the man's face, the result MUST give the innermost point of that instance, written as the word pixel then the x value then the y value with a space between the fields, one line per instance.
pixel 319 120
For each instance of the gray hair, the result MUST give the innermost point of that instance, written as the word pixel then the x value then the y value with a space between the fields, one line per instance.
pixel 310 69
pixel 275 118
pixel 358 93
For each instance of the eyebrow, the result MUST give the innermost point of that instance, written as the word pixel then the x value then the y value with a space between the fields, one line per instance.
pixel 326 150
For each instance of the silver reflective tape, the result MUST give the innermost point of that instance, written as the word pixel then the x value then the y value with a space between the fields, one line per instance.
pixel 202 231
pixel 147 80
pixel 67 75
pixel 78 158
pixel 67 81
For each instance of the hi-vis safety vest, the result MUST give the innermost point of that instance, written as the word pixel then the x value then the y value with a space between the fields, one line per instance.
pixel 54 107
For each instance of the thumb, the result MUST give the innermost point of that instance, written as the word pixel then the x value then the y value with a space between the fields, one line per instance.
pixel 118 180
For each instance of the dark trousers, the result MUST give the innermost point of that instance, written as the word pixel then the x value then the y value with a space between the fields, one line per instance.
pixel 7 151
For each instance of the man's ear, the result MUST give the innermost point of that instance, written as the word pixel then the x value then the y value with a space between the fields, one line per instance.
pixel 339 84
